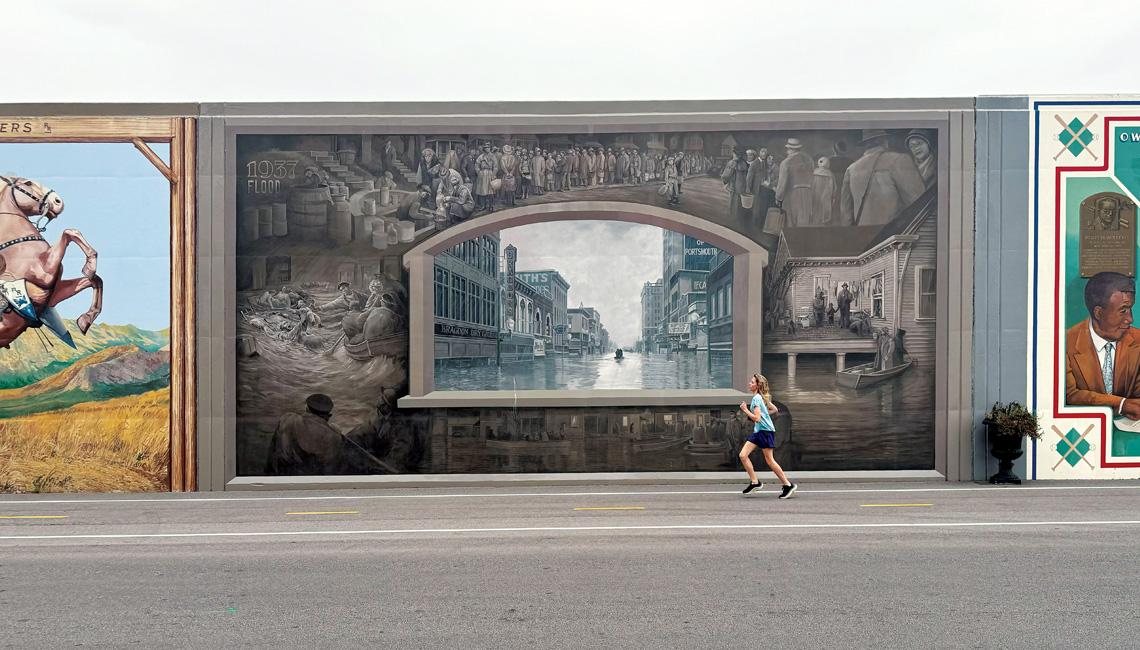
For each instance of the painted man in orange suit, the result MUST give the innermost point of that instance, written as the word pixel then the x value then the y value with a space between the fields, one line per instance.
pixel 1102 353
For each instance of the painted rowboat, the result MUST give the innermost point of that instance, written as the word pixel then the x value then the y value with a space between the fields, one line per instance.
pixel 391 345
pixel 864 375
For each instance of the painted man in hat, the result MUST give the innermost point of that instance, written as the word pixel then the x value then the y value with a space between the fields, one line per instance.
pixel 486 167
pixel 880 184
pixel 844 300
pixel 793 188
pixel 509 169
pixel 538 170
pixel 735 179
pixel 306 444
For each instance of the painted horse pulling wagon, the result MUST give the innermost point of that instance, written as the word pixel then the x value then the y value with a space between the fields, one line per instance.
pixel 31 270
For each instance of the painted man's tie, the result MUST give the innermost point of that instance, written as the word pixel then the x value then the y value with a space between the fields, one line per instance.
pixel 1109 362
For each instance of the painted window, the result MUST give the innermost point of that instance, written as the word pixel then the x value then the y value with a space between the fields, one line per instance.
pixel 877 296
pixel 925 302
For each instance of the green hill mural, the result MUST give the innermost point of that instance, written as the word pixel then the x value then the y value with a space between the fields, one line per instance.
pixel 31 359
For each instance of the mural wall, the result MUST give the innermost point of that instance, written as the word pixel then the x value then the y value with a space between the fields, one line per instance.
pixel 85 299
pixel 1085 377
pixel 848 217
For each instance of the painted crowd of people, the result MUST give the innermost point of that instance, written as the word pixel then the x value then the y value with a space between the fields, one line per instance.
pixel 465 182
pixel 871 191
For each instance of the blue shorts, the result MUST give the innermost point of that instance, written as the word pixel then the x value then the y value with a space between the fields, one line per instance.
pixel 763 439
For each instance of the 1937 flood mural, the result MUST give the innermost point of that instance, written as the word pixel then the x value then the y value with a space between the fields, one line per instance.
pixel 85 362
pixel 847 217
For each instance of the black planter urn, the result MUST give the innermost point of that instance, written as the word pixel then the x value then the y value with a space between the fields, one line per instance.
pixel 1005 449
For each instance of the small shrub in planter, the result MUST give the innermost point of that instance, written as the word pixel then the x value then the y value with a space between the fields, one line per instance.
pixel 1008 425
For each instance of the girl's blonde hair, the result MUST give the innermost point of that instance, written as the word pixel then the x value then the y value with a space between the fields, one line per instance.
pixel 763 391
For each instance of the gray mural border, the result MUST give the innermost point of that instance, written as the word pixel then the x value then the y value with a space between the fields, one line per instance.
pixel 219 125
pixel 1002 256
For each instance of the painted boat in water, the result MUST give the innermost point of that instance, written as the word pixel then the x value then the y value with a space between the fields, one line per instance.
pixel 865 375
pixel 391 346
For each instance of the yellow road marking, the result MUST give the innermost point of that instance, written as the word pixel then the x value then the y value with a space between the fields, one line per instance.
pixel 33 516
pixel 328 512
pixel 613 508
pixel 895 505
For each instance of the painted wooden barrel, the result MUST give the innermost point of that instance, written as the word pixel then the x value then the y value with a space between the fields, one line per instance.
pixel 346 156
pixel 265 220
pixel 249 225
pixel 280 223
pixel 308 207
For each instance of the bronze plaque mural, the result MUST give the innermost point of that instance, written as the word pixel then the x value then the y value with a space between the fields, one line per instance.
pixel 1108 235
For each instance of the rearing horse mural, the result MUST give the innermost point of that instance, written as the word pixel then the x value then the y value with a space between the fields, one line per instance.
pixel 31 270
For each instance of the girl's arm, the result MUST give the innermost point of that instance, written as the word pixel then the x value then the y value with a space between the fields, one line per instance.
pixel 755 417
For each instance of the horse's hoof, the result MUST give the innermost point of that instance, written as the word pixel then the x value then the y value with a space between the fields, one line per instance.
pixel 84 323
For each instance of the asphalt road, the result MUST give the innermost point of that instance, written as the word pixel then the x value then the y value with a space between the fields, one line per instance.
pixel 926 565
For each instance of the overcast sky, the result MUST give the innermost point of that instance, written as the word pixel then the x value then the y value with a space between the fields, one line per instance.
pixel 605 262
pixel 240 50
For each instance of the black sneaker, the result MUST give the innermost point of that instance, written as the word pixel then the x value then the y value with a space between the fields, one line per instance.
pixel 753 486
pixel 788 491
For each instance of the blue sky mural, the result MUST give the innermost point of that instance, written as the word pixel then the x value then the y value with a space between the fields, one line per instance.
pixel 121 204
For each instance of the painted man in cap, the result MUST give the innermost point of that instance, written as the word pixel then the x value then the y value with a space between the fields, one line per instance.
pixel 348 300
pixel 793 188
pixel 306 444
pixel 880 184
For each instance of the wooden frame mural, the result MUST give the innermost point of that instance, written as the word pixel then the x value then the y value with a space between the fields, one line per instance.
pixel 86 365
